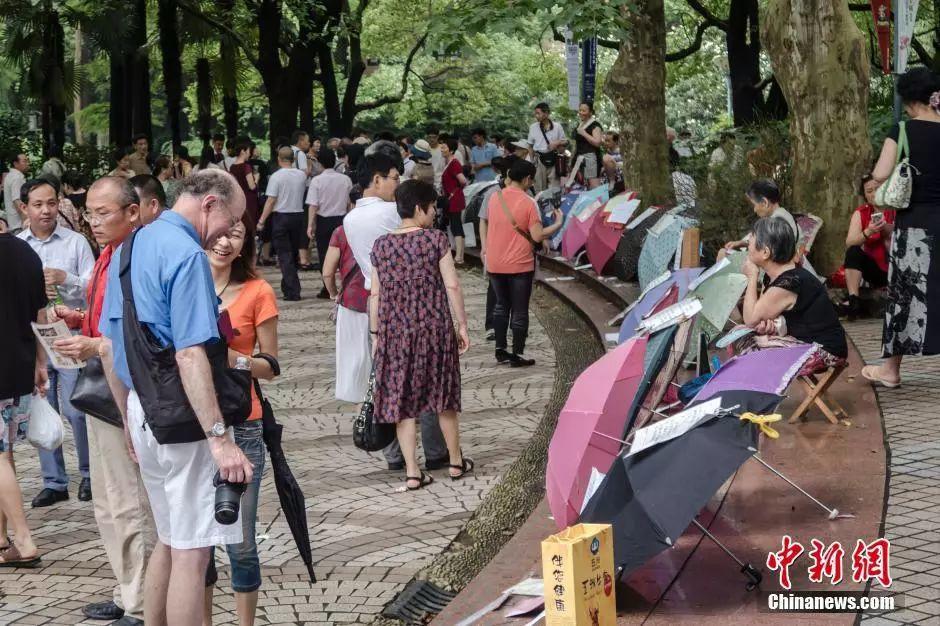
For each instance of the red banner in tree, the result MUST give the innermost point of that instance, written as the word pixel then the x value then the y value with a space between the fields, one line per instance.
pixel 881 12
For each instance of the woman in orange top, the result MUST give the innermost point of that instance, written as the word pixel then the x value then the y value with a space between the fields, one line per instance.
pixel 249 303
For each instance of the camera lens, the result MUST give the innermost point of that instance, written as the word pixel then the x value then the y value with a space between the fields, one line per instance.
pixel 227 500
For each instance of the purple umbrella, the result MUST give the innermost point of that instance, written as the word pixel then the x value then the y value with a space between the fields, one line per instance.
pixel 769 371
pixel 651 298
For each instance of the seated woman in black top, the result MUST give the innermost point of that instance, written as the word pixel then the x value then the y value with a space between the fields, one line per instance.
pixel 793 293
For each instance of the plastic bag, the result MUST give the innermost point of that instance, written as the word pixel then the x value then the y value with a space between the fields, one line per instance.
pixel 46 430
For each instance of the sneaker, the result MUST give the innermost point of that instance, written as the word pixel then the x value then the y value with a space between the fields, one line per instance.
pixel 517 360
pixel 491 335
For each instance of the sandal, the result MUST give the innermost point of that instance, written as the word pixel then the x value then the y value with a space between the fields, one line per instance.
pixel 9 543
pixel 11 557
pixel 465 467
pixel 423 481
pixel 868 373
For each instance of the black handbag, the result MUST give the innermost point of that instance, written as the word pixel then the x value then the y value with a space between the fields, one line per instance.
pixel 368 434
pixel 550 158
pixel 157 379
pixel 92 395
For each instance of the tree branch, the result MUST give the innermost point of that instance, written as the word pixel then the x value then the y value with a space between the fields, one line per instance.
pixel 612 44
pixel 694 47
pixel 859 7
pixel 710 18
pixel 378 102
pixel 237 38
pixel 921 51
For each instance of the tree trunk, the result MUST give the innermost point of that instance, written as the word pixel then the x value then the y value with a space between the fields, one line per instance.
pixel 743 42
pixel 204 99
pixel 140 77
pixel 170 53
pixel 227 78
pixel 636 85
pixel 78 102
pixel 54 98
pixel 819 56
pixel 118 105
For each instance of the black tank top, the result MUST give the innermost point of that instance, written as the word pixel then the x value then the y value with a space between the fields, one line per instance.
pixel 812 319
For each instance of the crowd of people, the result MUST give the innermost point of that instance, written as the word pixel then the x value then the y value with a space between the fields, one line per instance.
pixel 154 270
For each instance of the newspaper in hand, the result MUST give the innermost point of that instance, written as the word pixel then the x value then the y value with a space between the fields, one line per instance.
pixel 47 334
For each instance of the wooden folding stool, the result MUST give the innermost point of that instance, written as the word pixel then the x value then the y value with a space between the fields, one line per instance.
pixel 816 385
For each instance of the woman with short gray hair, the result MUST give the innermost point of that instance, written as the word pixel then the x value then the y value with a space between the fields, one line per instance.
pixel 794 294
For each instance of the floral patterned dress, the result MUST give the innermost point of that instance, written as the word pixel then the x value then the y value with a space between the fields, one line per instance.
pixel 417 368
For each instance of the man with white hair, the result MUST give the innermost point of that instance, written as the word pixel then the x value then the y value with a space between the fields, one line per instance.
pixel 175 300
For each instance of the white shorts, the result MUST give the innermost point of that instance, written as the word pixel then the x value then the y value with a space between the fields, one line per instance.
pixel 353 355
pixel 178 478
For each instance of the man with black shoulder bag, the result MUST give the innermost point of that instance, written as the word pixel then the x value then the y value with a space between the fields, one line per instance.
pixel 546 138
pixel 168 371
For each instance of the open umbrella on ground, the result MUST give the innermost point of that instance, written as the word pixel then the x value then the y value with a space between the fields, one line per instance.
pixel 652 296
pixel 602 242
pixel 770 371
pixel 288 491
pixel 719 295
pixel 567 202
pixel 652 496
pixel 659 248
pixel 644 412
pixel 576 234
pixel 589 427
pixel 658 348
pixel 627 256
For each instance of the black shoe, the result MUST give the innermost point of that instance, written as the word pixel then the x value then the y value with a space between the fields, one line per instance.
pixel 502 356
pixel 127 620
pixel 48 497
pixel 309 267
pixel 103 610
pixel 517 360
pixel 323 295
pixel 291 298
pixel 396 466
pixel 84 490
pixel 436 464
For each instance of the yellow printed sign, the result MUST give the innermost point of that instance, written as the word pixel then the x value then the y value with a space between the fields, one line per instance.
pixel 578 574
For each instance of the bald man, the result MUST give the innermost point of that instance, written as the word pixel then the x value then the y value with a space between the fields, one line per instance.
pixel 122 509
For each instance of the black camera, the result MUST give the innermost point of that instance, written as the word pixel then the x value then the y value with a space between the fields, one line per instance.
pixel 228 498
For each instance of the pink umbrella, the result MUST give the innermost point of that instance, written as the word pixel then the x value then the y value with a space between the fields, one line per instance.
pixel 597 403
pixel 576 234
pixel 602 242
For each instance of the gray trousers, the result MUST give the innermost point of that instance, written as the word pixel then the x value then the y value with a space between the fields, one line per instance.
pixel 432 439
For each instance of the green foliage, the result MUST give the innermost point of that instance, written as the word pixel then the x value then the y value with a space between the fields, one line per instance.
pixel 87 159
pixel 761 152
pixel 13 131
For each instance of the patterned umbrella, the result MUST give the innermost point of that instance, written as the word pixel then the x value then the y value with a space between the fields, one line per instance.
pixel 659 249
pixel 626 258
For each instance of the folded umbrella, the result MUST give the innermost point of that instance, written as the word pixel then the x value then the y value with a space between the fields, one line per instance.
pixel 288 491
pixel 589 427
pixel 769 370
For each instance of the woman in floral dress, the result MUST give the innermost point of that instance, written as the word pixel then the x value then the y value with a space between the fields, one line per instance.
pixel 417 369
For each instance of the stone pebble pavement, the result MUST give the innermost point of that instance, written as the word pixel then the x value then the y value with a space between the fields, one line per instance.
pixel 912 523
pixel 369 537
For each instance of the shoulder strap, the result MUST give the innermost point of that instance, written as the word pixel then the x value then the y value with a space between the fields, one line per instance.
pixel 903 150
pixel 547 142
pixel 127 289
pixel 512 220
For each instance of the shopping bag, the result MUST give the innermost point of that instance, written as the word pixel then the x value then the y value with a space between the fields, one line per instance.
pixel 45 425
pixel 578 575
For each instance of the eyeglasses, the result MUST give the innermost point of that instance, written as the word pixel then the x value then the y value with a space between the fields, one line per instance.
pixel 396 178
pixel 101 218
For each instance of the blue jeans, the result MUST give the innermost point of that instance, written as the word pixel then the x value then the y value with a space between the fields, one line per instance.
pixel 54 476
pixel 243 557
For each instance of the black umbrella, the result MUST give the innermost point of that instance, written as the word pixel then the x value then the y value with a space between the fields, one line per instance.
pixel 651 497
pixel 288 491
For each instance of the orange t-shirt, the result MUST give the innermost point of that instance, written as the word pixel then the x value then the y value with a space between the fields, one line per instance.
pixel 254 305
pixel 507 251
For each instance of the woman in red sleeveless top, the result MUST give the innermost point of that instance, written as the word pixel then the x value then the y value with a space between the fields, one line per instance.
pixel 867 243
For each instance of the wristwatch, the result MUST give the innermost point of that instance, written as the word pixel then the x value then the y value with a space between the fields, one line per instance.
pixel 217 430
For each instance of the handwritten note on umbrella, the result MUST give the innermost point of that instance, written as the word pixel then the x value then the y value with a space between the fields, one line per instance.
pixel 674 426
pixel 622 213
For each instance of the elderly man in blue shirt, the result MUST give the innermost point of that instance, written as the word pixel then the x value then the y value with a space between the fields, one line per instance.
pixel 175 299
pixel 481 157
pixel 67 263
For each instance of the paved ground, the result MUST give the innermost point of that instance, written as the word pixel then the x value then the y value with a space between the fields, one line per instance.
pixel 911 414
pixel 369 537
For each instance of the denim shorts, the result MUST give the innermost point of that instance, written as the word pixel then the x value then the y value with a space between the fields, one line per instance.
pixel 243 557
pixel 14 421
